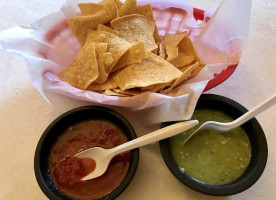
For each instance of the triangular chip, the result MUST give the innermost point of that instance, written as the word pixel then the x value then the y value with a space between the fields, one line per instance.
pixel 135 28
pixel 185 75
pixel 130 92
pixel 171 43
pixel 187 53
pixel 81 24
pixel 135 54
pixel 92 9
pixel 118 3
pixel 127 7
pixel 111 6
pixel 100 49
pixel 107 85
pixel 162 50
pixel 116 46
pixel 152 70
pixel 113 93
pixel 160 87
pixel 83 70
pixel 198 69
pixel 156 87
pixel 146 10
pixel 101 27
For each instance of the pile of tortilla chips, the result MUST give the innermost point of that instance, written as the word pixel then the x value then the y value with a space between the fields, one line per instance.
pixel 122 53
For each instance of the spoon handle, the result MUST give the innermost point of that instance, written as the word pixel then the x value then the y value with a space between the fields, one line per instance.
pixel 157 135
pixel 254 111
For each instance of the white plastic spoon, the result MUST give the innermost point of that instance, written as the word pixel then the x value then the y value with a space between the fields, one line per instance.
pixel 239 121
pixel 102 156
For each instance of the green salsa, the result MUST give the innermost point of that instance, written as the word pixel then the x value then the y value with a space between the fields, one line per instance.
pixel 211 156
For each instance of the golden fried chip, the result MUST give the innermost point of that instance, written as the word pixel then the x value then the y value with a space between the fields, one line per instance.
pixel 83 70
pixel 111 6
pixel 100 49
pixel 186 53
pixel 198 69
pixel 81 24
pixel 127 7
pixel 101 27
pixel 118 3
pixel 135 54
pixel 162 50
pixel 185 75
pixel 116 46
pixel 135 28
pixel 113 93
pixel 156 87
pixel 171 43
pixel 152 70
pixel 92 9
pixel 70 23
pixel 107 85
pixel 130 92
pixel 146 11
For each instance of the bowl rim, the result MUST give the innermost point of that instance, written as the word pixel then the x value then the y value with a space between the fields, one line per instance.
pixel 247 179
pixel 133 163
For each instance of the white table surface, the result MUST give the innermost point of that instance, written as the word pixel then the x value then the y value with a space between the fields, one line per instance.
pixel 24 114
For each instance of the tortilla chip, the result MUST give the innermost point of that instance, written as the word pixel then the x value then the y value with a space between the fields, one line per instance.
pixel 113 93
pixel 127 7
pixel 152 70
pixel 162 50
pixel 135 28
pixel 92 9
pixel 135 54
pixel 100 49
pixel 83 70
pixel 186 53
pixel 71 22
pixel 198 69
pixel 156 87
pixel 171 43
pixel 147 87
pixel 81 24
pixel 118 3
pixel 111 6
pixel 101 27
pixel 107 85
pixel 185 75
pixel 116 46
pixel 146 10
pixel 130 92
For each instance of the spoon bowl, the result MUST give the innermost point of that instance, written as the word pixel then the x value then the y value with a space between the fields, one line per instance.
pixel 102 157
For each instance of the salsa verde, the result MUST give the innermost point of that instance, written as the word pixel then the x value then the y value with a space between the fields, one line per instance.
pixel 212 156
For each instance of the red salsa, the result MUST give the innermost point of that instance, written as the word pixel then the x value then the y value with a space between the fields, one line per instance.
pixel 67 171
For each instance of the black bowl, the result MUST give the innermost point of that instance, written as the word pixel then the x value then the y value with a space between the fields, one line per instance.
pixel 57 126
pixel 259 151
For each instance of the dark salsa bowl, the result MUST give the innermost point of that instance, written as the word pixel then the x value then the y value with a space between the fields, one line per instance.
pixel 256 140
pixel 70 121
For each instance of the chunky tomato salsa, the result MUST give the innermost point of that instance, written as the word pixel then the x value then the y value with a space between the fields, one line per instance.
pixel 67 171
